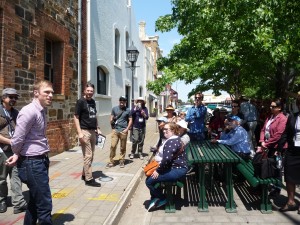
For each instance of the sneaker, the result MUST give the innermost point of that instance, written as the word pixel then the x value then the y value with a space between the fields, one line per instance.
pixel 21 209
pixel 141 156
pixel 131 156
pixel 109 165
pixel 92 183
pixel 153 203
pixel 161 203
pixel 122 164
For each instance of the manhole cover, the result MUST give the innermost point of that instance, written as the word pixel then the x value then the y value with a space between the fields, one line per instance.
pixel 105 179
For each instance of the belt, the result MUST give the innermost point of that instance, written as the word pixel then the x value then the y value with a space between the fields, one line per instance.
pixel 34 157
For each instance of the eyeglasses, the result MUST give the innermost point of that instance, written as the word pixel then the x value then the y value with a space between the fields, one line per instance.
pixel 13 97
pixel 273 106
pixel 234 106
pixel 198 98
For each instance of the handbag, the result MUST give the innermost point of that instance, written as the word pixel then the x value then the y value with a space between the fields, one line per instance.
pixel 264 167
pixel 150 168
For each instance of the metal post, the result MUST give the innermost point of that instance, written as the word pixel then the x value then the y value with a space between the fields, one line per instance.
pixel 132 82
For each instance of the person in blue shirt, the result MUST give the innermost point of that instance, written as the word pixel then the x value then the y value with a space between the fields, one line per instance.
pixel 196 119
pixel 236 137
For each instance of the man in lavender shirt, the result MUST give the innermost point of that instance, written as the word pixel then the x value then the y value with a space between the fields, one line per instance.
pixel 30 147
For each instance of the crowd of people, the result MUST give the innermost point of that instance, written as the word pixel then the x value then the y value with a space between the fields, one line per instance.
pixel 24 145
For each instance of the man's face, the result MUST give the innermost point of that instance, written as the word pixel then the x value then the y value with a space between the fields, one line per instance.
pixel 44 95
pixel 89 92
pixel 122 103
pixel 198 99
pixel 10 100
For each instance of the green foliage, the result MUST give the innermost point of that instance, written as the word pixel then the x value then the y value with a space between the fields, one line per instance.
pixel 239 46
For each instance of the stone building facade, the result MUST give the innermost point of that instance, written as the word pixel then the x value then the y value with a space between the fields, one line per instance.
pixel 39 41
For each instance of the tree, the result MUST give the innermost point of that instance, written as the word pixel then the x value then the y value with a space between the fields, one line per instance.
pixel 240 46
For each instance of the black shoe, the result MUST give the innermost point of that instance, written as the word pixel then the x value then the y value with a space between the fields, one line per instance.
pixel 92 183
pixel 21 209
pixel 82 177
pixel 3 207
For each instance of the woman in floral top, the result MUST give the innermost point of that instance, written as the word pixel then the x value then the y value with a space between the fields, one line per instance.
pixel 172 167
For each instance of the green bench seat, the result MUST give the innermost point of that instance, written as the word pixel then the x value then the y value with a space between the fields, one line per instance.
pixel 169 191
pixel 247 170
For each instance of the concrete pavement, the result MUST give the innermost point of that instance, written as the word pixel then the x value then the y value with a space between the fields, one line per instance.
pixel 75 203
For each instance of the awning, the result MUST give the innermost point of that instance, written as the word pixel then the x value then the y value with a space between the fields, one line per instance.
pixel 152 97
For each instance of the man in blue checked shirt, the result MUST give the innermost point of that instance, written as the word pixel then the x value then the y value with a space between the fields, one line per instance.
pixel 196 118
pixel 236 138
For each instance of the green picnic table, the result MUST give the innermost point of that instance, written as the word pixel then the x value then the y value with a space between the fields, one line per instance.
pixel 203 153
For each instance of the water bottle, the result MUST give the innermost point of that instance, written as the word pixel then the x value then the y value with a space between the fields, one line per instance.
pixel 278 162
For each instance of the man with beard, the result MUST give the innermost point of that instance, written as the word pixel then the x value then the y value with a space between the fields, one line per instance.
pixel 121 121
pixel 30 147
pixel 8 117
pixel 86 123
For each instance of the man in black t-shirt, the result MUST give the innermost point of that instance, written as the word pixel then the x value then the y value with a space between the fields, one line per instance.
pixel 86 123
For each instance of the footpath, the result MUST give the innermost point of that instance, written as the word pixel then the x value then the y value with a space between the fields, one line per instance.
pixel 123 197
pixel 75 203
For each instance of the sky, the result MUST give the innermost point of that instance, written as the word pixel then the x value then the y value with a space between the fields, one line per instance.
pixel 149 11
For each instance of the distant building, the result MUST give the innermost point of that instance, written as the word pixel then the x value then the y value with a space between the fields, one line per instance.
pixel 152 54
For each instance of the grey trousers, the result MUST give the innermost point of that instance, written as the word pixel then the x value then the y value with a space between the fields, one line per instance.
pixel 15 182
pixel 138 137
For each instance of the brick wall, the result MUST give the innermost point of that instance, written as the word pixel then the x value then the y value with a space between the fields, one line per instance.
pixel 24 25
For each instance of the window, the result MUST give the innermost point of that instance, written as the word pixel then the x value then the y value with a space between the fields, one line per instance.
pixel 101 81
pixel 117 47
pixel 48 67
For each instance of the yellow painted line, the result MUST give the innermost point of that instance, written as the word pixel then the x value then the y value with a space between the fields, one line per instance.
pixel 107 197
pixel 59 213
pixel 57 174
pixel 62 193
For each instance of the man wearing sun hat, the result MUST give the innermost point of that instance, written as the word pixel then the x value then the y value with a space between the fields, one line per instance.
pixel 139 116
pixel 236 137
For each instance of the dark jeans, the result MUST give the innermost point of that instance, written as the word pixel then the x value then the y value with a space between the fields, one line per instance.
pixel 34 173
pixel 169 176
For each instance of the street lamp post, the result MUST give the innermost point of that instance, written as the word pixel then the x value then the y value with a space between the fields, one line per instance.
pixel 132 55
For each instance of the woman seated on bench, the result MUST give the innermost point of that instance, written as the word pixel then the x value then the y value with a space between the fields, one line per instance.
pixel 236 137
pixel 172 167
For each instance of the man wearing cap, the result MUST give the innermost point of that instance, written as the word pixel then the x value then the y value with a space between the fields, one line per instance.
pixel 85 119
pixel 139 116
pixel 236 137
pixel 196 118
pixel 8 116
pixel 121 121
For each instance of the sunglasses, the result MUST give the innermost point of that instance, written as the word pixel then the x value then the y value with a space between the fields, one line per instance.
pixel 273 106
pixel 199 98
pixel 234 106
pixel 13 97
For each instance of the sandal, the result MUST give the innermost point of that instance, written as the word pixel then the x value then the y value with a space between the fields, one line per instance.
pixel 289 207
